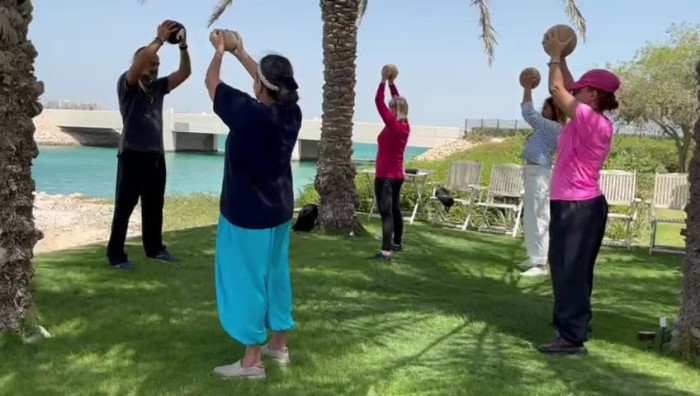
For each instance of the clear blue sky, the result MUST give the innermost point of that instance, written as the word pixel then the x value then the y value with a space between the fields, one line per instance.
pixel 85 44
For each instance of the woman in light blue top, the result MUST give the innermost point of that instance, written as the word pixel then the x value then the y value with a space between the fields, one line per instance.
pixel 538 155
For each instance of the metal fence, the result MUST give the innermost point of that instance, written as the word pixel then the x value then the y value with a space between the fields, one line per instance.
pixel 473 125
pixel 505 127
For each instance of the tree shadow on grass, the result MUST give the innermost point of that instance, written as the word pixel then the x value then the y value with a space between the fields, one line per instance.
pixel 449 315
pixel 498 299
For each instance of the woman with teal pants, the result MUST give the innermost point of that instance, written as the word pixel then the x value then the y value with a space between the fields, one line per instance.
pixel 253 285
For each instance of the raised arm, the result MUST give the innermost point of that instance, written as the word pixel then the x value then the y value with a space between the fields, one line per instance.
pixel 563 99
pixel 566 73
pixel 393 89
pixel 527 95
pixel 184 71
pixel 234 107
pixel 146 55
pixel 250 65
pixel 537 121
pixel 557 86
pixel 384 112
pixel 213 76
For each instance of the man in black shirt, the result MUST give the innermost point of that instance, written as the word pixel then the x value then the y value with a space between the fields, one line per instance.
pixel 141 169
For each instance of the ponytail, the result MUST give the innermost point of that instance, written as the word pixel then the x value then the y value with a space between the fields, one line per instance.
pixel 287 94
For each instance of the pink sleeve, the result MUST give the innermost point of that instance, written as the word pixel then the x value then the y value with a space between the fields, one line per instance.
pixel 394 91
pixel 384 111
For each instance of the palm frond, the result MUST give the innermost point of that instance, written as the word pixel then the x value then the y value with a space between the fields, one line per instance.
pixel 361 12
pixel 219 10
pixel 488 33
pixel 576 17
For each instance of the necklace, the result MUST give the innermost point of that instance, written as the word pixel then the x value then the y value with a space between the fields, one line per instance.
pixel 150 97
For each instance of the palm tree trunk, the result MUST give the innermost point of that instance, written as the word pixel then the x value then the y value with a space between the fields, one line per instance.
pixel 686 334
pixel 19 93
pixel 335 177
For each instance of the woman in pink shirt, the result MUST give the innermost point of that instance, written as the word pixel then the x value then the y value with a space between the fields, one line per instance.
pixel 578 207
pixel 389 173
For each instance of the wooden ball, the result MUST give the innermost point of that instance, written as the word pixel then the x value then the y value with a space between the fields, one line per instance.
pixel 390 72
pixel 178 34
pixel 530 77
pixel 564 33
pixel 230 40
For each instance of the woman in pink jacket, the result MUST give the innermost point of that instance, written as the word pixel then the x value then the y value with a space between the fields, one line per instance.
pixel 389 173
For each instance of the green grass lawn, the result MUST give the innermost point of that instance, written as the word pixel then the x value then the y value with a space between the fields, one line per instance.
pixel 449 316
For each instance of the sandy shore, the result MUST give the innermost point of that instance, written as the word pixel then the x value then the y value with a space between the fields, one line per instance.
pixel 72 221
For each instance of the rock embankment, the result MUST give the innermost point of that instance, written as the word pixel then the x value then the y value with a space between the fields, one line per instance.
pixel 48 134
pixel 448 148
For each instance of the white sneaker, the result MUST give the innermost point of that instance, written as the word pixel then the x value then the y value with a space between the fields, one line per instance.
pixel 280 356
pixel 526 264
pixel 535 271
pixel 235 370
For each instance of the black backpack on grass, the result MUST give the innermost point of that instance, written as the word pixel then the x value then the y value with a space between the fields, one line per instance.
pixel 306 220
pixel 445 197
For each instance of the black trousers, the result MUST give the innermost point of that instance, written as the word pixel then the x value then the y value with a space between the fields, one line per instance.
pixel 576 231
pixel 139 175
pixel 388 194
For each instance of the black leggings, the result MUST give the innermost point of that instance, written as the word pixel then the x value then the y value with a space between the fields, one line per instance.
pixel 576 231
pixel 388 193
pixel 139 175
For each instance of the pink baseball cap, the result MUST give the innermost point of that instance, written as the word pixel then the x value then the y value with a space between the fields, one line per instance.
pixel 600 79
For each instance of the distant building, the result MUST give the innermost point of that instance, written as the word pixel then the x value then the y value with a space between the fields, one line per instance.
pixel 71 105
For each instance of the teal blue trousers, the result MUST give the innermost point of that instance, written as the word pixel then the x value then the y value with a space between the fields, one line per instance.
pixel 253 284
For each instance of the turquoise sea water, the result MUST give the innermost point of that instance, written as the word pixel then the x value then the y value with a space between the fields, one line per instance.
pixel 92 171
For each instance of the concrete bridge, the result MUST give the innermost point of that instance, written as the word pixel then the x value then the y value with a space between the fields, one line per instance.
pixel 200 132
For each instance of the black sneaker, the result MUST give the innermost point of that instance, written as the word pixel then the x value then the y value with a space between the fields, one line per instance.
pixel 164 256
pixel 396 247
pixel 561 346
pixel 589 329
pixel 381 256
pixel 124 265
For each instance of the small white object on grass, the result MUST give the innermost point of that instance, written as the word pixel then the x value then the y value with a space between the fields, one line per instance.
pixel 40 333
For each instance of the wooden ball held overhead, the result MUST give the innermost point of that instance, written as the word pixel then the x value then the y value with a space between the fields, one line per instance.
pixel 390 72
pixel 528 76
pixel 564 33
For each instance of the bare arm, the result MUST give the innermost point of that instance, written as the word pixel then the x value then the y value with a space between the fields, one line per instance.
pixel 183 72
pixel 144 57
pixel 213 76
pixel 568 78
pixel 250 65
pixel 563 99
pixel 527 95
pixel 141 61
